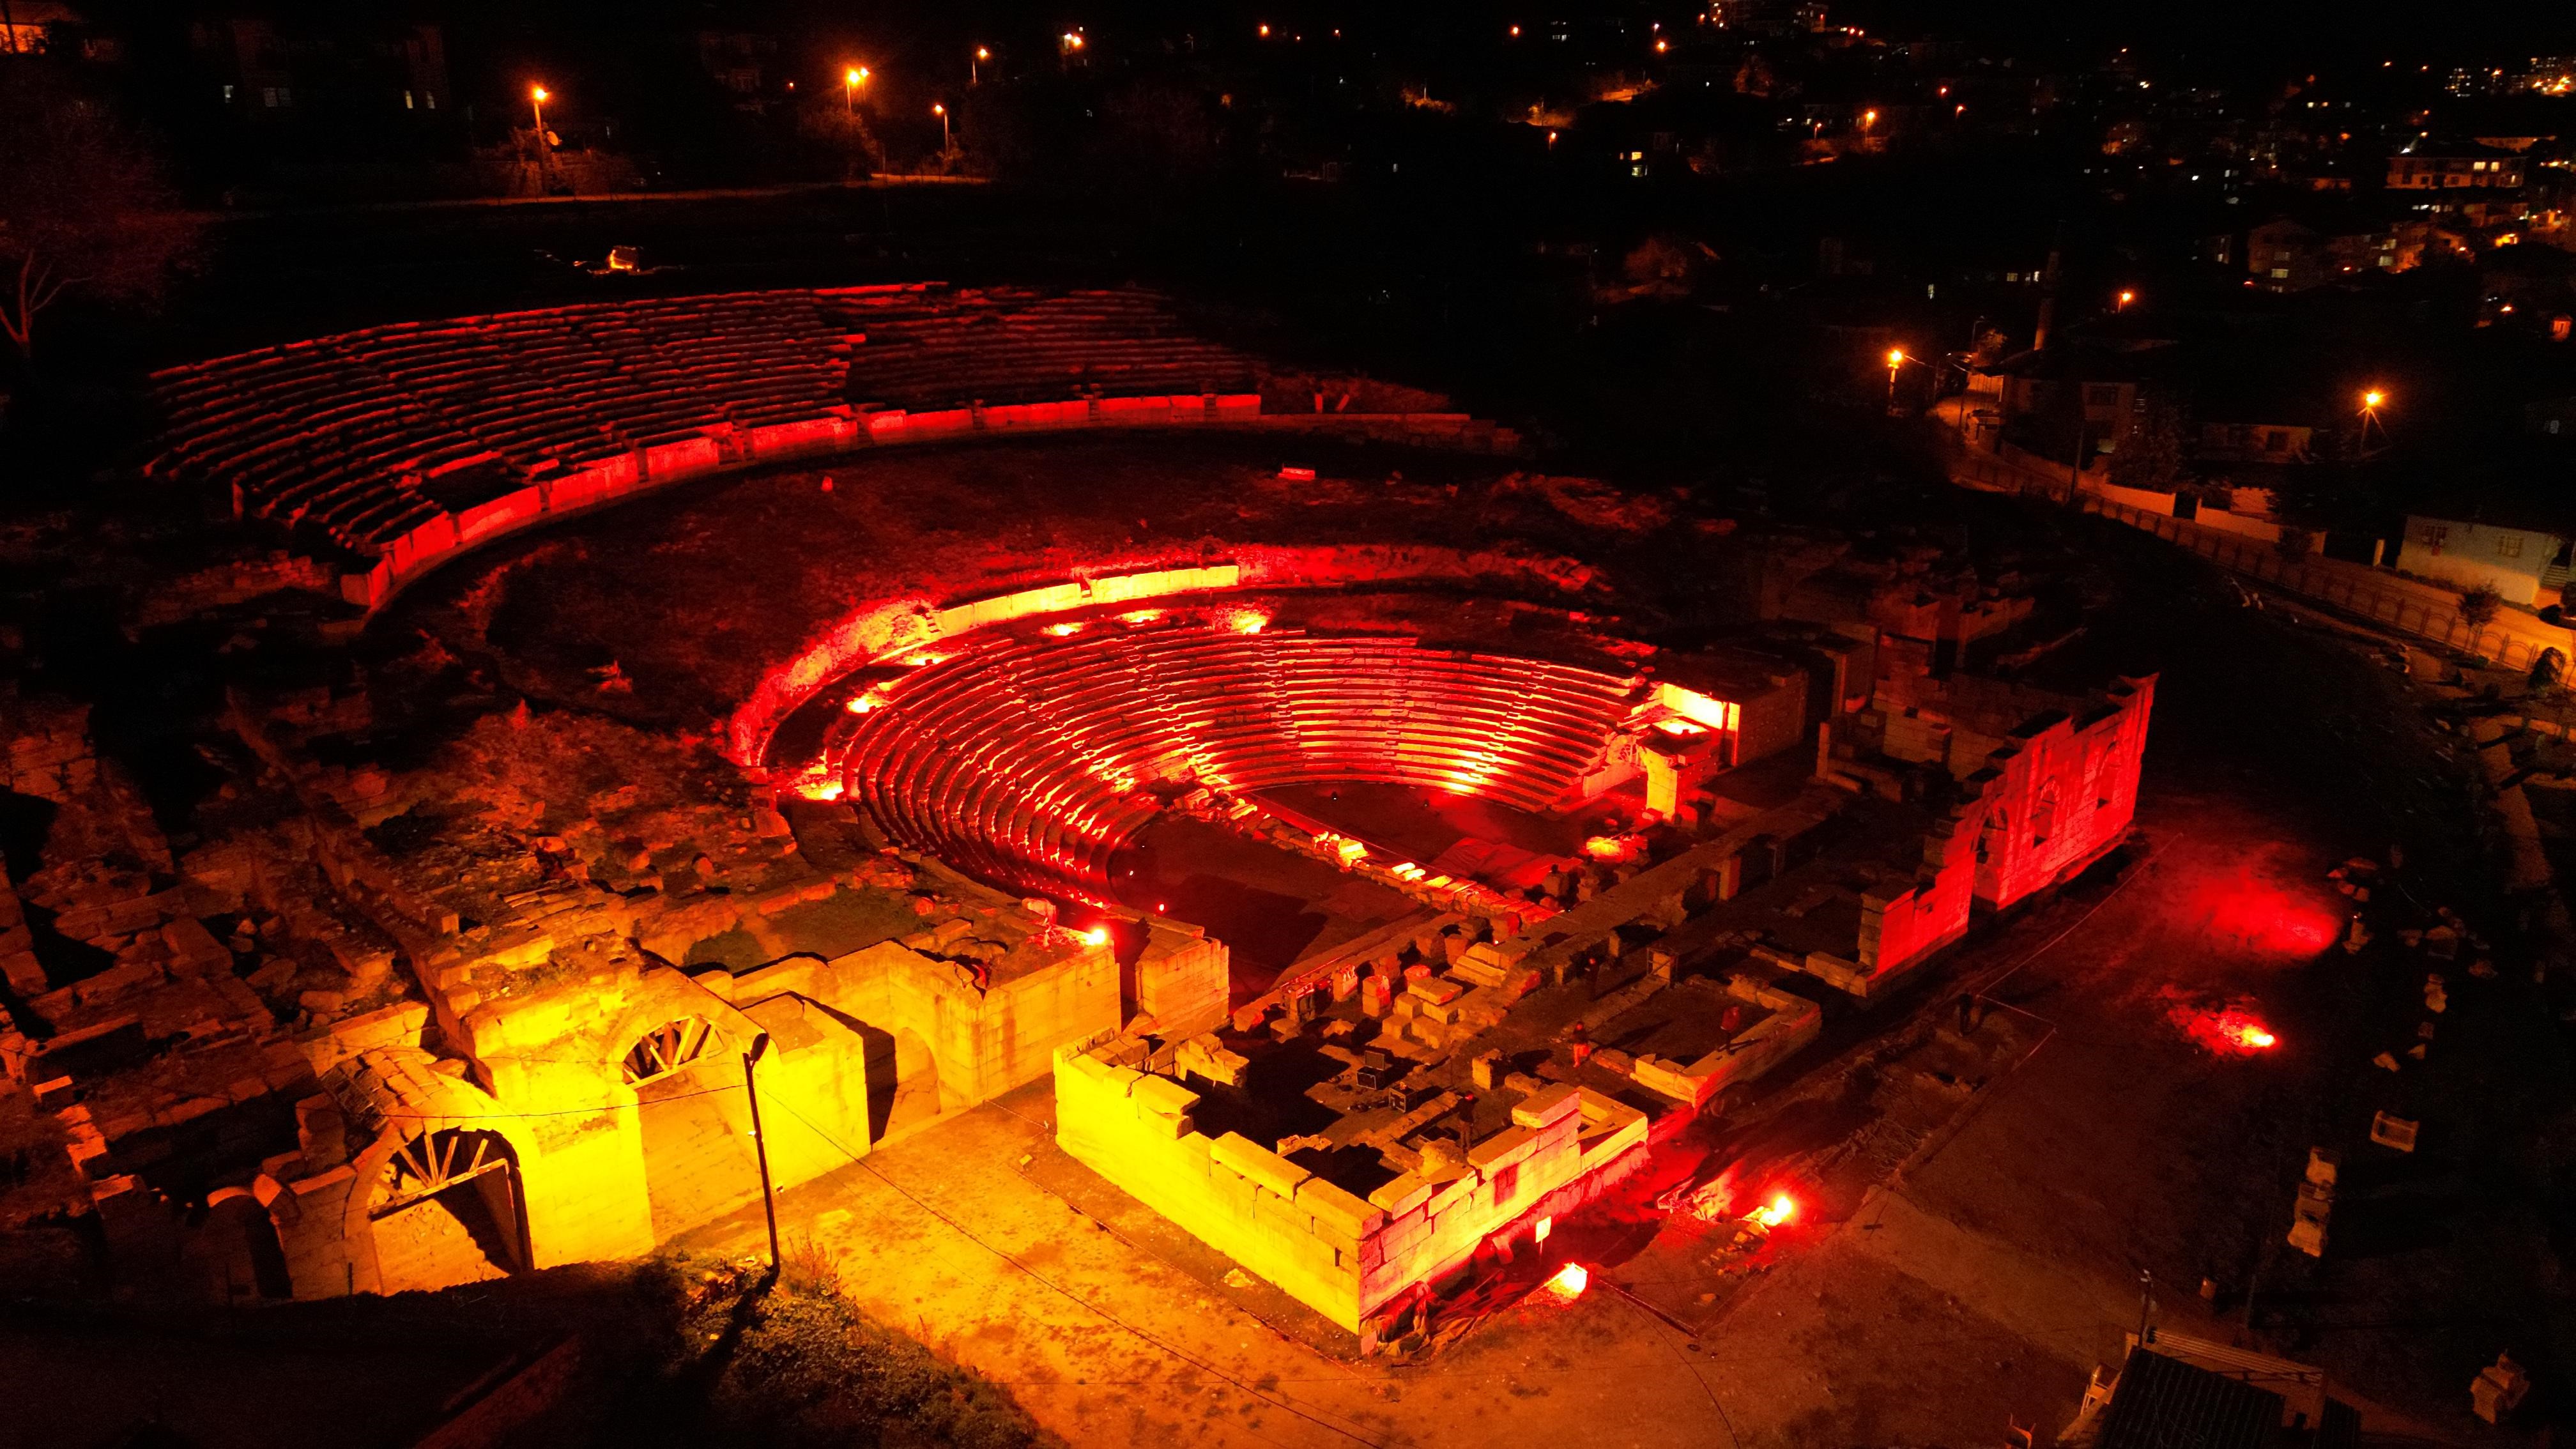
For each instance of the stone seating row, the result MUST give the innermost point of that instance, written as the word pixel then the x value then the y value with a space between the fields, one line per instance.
pixel 353 439
pixel 1026 758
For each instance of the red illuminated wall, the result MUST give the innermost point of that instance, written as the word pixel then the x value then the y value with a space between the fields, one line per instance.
pixel 2060 793
pixel 2054 798
pixel 1897 931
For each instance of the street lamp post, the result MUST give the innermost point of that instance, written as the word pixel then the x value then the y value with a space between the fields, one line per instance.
pixel 851 79
pixel 537 109
pixel 1895 360
pixel 2371 398
pixel 941 112
pixel 975 67
pixel 760 1142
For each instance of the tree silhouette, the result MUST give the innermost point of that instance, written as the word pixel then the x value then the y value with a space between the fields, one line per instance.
pixel 83 208
pixel 2150 458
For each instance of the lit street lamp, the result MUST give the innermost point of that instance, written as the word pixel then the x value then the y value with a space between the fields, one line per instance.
pixel 2126 297
pixel 851 79
pixel 941 112
pixel 975 67
pixel 1895 360
pixel 537 109
pixel 2371 398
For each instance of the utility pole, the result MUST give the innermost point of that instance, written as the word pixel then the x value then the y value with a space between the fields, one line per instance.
pixel 760 1144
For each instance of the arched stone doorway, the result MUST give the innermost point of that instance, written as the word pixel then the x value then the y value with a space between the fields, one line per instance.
pixel 448 1208
pixel 695 1123
pixel 903 1081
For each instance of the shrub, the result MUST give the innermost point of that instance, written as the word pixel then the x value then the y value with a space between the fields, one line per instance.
pixel 2479 605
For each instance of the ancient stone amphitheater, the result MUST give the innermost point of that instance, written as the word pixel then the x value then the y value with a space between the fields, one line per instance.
pixel 867 782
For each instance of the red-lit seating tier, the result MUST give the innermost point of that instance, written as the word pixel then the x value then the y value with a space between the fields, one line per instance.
pixel 1025 758
pixel 1009 345
pixel 364 438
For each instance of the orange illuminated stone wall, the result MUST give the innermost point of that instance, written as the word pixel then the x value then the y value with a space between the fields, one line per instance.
pixel 1347 1257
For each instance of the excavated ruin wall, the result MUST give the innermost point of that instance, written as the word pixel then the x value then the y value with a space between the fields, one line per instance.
pixel 1344 1256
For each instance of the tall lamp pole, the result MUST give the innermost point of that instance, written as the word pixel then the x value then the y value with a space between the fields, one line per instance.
pixel 975 66
pixel 941 112
pixel 2370 423
pixel 537 109
pixel 760 1142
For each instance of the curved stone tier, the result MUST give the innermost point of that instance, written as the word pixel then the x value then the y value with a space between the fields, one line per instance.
pixel 397 446
pixel 1027 757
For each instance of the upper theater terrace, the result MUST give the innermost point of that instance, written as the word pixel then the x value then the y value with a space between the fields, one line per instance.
pixel 397 446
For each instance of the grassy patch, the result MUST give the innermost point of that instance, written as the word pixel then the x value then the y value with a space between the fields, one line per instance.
pixel 711 1353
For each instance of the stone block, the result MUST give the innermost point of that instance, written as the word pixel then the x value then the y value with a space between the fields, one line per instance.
pixel 1203 1057
pixel 1281 1216
pixel 1502 1149
pixel 1156 1096
pixel 1258 1164
pixel 193 947
pixel 1554 1104
pixel 1345 1212
pixel 1402 1195
pixel 1435 990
